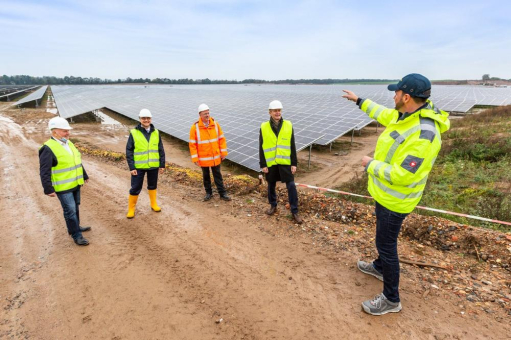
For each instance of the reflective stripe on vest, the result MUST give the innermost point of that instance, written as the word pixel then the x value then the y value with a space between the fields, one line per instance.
pixel 208 143
pixel 199 141
pixel 68 173
pixel 277 150
pixel 209 158
pixel 146 155
pixel 395 193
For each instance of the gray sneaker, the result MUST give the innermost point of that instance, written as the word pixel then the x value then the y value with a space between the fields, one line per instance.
pixel 380 305
pixel 368 268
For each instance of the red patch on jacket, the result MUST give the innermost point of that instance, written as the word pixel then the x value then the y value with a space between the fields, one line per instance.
pixel 413 164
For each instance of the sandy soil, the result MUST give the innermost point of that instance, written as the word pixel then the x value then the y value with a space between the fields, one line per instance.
pixel 194 271
pixel 342 163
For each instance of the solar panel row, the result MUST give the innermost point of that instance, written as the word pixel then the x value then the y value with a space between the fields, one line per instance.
pixel 175 110
pixel 9 90
pixel 36 95
pixel 319 113
pixel 12 88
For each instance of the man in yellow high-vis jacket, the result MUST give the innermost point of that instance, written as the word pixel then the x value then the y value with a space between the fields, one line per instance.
pixel 62 175
pixel 404 156
pixel 145 154
pixel 277 158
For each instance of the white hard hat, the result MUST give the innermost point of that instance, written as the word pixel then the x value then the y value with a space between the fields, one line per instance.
pixel 145 113
pixel 203 107
pixel 275 105
pixel 59 123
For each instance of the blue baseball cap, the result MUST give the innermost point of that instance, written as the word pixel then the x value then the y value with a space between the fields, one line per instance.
pixel 416 85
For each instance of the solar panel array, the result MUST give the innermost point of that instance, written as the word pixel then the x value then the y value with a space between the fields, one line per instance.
pixel 8 90
pixel 174 111
pixel 12 88
pixel 319 113
pixel 463 98
pixel 36 95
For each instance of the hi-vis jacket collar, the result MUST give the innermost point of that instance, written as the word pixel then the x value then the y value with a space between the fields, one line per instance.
pixel 201 123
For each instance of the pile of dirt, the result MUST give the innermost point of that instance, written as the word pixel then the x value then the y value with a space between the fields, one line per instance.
pixel 469 262
pixel 442 234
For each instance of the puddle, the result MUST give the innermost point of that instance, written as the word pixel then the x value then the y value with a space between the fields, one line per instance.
pixel 105 119
pixel 7 169
pixel 50 106
pixel 5 119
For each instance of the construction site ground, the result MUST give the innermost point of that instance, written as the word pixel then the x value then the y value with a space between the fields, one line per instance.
pixel 225 270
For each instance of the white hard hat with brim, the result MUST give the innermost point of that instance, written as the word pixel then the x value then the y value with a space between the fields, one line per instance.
pixel 59 123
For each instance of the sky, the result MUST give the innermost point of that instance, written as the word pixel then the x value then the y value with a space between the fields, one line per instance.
pixel 236 40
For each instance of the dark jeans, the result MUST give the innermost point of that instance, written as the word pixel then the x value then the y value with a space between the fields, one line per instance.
pixel 217 176
pixel 291 193
pixel 70 202
pixel 138 180
pixel 388 225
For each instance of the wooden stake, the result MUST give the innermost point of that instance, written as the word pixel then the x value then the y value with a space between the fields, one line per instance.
pixel 477 252
pixel 422 264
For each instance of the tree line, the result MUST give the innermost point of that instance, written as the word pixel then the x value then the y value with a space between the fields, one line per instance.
pixel 486 77
pixel 71 80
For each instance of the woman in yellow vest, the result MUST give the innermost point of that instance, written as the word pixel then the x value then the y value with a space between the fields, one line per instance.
pixel 277 158
pixel 62 175
pixel 145 155
pixel 404 156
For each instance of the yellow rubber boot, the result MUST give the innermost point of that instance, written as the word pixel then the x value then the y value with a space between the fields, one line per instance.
pixel 131 206
pixel 152 198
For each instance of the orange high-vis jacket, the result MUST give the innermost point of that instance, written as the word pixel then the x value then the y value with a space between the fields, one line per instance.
pixel 207 144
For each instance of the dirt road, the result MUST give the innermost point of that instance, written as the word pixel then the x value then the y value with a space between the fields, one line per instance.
pixel 194 271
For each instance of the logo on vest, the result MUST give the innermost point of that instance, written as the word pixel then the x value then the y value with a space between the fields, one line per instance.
pixel 413 164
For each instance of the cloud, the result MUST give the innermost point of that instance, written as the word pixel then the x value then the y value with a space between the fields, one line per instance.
pixel 229 39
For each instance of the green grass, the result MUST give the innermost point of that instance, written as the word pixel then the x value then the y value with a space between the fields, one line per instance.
pixel 472 174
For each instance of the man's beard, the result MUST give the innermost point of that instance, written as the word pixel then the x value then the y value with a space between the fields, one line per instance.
pixel 400 104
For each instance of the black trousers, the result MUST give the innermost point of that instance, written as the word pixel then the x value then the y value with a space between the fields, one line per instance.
pixel 217 176
pixel 138 180
pixel 291 193
pixel 388 225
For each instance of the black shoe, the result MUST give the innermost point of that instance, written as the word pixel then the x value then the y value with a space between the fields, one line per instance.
pixel 225 197
pixel 271 211
pixel 82 229
pixel 81 241
pixel 207 197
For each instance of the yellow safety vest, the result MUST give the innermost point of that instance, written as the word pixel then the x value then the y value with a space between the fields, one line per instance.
pixel 404 154
pixel 277 150
pixel 146 155
pixel 68 173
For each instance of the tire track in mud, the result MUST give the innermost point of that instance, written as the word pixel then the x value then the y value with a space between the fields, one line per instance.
pixel 159 243
pixel 19 226
pixel 161 239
